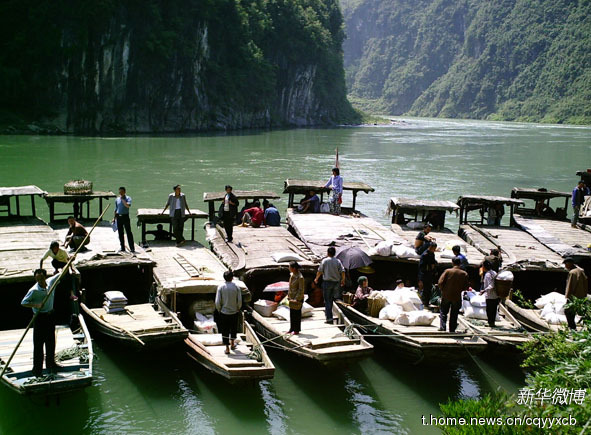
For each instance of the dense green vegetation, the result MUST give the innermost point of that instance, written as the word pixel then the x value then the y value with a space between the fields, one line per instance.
pixel 557 361
pixel 175 65
pixel 526 60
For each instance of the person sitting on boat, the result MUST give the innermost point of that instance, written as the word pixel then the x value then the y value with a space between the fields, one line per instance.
pixel 458 253
pixel 576 287
pixel 452 283
pixel 427 268
pixel 253 216
pixel 332 272
pixel 271 217
pixel 76 234
pixel 44 329
pixel 423 239
pixel 578 199
pixel 295 297
pixel 310 204
pixel 361 294
pixel 160 233
pixel 335 184
pixel 489 289
pixel 228 301
pixel 495 259
pixel 59 260
pixel 436 218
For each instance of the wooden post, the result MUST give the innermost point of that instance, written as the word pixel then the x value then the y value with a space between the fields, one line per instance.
pixel 354 199
pixel 143 232
pixel 100 205
pixel 51 211
pixel 193 229
pixel 18 207
pixel 33 205
pixel 211 211
pixel 88 209
pixel 395 217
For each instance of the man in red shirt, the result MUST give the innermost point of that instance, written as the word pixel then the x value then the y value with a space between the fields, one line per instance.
pixel 253 216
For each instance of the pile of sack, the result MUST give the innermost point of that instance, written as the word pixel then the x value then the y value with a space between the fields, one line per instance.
pixel 205 324
pixel 552 306
pixel 388 248
pixel 474 306
pixel 403 306
pixel 282 311
pixel 115 302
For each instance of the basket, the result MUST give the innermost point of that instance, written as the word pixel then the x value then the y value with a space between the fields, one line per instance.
pixel 374 306
pixel 348 298
pixel 78 187
pixel 503 287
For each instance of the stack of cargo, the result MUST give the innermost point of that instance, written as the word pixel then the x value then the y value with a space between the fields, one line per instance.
pixel 115 301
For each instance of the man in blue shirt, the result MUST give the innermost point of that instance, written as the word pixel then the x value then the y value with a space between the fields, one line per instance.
pixel 44 329
pixel 122 205
pixel 312 204
pixel 463 260
pixel 578 199
pixel 272 217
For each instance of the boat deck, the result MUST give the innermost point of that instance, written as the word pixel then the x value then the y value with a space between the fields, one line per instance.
pixel 237 357
pixel 19 375
pixel 23 241
pixel 557 235
pixel 102 250
pixel 139 319
pixel 316 334
pixel 252 248
pixel 443 238
pixel 191 268
pixel 521 251
pixel 428 334
pixel 321 230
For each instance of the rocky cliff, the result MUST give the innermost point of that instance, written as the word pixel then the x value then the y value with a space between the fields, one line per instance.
pixel 102 66
pixel 507 59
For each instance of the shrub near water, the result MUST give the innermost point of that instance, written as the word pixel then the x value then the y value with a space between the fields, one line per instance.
pixel 560 363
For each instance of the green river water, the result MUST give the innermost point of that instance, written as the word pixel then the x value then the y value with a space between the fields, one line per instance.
pixel 167 393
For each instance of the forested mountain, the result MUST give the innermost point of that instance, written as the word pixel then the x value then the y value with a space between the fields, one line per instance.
pixel 502 59
pixel 99 66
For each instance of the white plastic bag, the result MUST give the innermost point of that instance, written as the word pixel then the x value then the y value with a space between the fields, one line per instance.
pixel 307 310
pixel 384 248
pixel 390 312
pixel 478 300
pixel 282 312
pixel 284 257
pixel 550 297
pixel 324 208
pixel 205 324
pixel 416 318
pixel 505 275
pixel 265 308
pixel 402 251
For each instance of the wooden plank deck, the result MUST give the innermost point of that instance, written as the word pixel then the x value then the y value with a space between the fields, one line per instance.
pixel 23 241
pixel 252 248
pixel 521 251
pixel 191 268
pixel 443 238
pixel 321 230
pixel 557 235
pixel 138 319
pixel 102 251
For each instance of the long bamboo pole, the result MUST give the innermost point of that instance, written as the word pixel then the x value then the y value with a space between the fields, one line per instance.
pixel 51 289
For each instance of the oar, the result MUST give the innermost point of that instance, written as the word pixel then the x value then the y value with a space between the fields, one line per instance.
pixel 50 290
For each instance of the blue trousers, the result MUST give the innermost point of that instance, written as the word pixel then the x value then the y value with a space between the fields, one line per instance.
pixel 331 290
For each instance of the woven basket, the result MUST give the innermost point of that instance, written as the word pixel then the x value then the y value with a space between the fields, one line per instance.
pixel 78 187
pixel 503 287
pixel 374 306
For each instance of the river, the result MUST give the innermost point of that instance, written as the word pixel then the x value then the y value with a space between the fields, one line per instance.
pixel 167 393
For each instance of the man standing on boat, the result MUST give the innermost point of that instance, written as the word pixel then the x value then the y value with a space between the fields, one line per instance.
pixel 489 288
pixel 578 199
pixel 333 278
pixel 122 206
pixel 44 329
pixel 452 283
pixel 229 212
pixel 335 184
pixel 576 286
pixel 423 239
pixel 427 267
pixel 178 204
pixel 228 301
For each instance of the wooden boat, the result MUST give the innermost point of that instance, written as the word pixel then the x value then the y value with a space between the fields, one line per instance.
pixel 505 337
pixel 248 362
pixel 73 352
pixel 530 319
pixel 317 340
pixel 141 326
pixel 416 344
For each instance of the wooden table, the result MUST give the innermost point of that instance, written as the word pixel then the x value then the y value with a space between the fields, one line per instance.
pixel 155 216
pixel 78 200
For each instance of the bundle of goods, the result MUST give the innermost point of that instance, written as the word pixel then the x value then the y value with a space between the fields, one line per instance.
pixel 78 187
pixel 265 308
pixel 348 298
pixel 115 302
pixel 375 302
pixel 212 339
pixel 474 306
pixel 282 311
pixel 405 297
pixel 416 318
pixel 205 324
pixel 552 306
pixel 383 249
pixel 285 257
pixel 402 251
pixel 503 283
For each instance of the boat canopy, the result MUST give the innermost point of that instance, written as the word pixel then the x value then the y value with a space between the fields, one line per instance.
pixel 6 193
pixel 468 203
pixel 212 197
pixel 303 187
